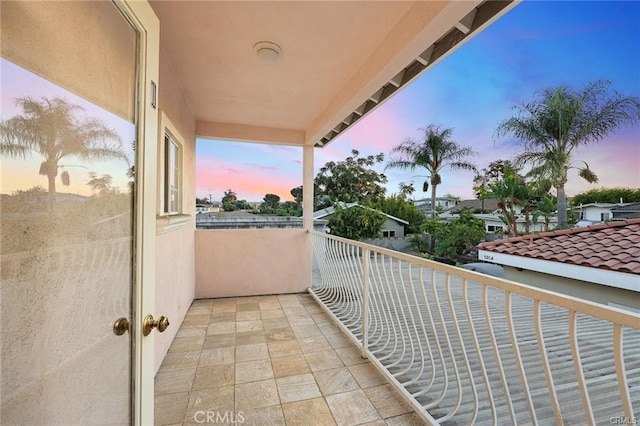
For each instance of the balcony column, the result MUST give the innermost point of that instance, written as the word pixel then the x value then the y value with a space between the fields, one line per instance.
pixel 307 187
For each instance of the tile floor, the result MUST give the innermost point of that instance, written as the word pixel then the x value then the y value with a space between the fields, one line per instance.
pixel 270 360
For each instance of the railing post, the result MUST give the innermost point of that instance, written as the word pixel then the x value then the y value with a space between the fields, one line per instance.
pixel 365 297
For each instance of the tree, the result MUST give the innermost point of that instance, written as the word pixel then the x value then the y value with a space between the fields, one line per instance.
pixel 434 152
pixel 462 234
pixel 289 208
pixel 398 206
pixel 561 120
pixel 607 195
pixel 547 209
pixel 51 128
pixel 270 203
pixel 352 180
pixel 508 191
pixel 406 190
pixel 229 201
pixel 297 193
pixel 513 190
pixel 356 222
pixel 490 175
pixel 455 238
pixel 243 205
pixel 100 185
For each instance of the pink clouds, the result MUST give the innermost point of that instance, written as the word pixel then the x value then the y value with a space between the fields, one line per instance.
pixel 377 131
pixel 214 177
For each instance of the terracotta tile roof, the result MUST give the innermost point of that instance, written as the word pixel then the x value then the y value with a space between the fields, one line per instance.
pixel 613 245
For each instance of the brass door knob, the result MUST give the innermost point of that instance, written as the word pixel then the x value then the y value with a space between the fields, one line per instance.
pixel 121 326
pixel 149 323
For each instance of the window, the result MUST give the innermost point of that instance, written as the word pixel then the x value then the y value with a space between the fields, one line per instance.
pixel 171 213
pixel 172 175
pixel 170 169
pixel 605 217
pixel 388 234
pixel 493 228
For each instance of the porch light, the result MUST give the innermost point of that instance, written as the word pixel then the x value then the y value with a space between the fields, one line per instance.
pixel 267 51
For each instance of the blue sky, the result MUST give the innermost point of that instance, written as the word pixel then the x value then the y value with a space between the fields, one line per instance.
pixel 538 44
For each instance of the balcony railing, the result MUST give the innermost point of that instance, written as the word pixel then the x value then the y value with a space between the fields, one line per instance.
pixel 466 348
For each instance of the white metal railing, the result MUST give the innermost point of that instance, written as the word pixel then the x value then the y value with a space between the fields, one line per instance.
pixel 467 348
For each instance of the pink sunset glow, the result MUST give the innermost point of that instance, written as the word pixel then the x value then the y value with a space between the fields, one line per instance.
pixel 536 45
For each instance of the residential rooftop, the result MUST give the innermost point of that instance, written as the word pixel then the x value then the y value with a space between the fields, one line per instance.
pixel 612 246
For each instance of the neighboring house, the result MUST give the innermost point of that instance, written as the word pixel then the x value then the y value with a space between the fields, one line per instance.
pixel 592 213
pixel 600 263
pixel 206 208
pixel 393 226
pixel 445 203
pixel 629 211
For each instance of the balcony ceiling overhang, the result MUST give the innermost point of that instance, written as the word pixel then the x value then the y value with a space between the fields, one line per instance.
pixel 339 60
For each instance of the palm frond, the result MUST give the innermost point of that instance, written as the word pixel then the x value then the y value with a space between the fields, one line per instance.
pixel 587 174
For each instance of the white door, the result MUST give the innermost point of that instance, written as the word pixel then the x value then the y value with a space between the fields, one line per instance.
pixel 77 143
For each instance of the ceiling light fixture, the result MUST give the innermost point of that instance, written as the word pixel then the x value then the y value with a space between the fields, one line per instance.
pixel 267 51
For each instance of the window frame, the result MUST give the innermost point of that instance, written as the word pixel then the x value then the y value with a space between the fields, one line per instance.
pixel 168 218
pixel 173 175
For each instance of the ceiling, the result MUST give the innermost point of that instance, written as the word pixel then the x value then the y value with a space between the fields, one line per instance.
pixel 339 60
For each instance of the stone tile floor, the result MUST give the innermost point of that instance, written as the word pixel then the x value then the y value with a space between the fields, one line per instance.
pixel 270 360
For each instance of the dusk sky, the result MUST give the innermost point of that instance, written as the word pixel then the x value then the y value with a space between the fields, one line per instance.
pixel 538 44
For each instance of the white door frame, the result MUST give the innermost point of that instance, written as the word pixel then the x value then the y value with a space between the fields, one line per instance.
pixel 144 19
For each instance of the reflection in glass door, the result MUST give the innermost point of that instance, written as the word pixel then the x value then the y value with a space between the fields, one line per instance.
pixel 67 139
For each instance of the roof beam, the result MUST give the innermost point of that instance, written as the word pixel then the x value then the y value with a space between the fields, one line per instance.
pixel 466 24
pixel 241 132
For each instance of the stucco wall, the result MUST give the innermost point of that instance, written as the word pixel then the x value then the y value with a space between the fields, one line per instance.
pixel 594 213
pixel 175 263
pixel 585 290
pixel 252 262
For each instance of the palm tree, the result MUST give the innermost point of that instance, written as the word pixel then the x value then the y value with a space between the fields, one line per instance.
pixel 100 185
pixel 562 120
pixel 508 192
pixel 434 152
pixel 50 128
pixel 546 209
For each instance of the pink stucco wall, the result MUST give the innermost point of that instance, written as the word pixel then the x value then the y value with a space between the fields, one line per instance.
pixel 175 274
pixel 251 262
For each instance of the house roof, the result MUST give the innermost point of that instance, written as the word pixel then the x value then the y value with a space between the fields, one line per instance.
pixel 613 246
pixel 319 214
pixel 428 200
pixel 600 205
pixel 490 204
pixel 339 60
pixel 633 207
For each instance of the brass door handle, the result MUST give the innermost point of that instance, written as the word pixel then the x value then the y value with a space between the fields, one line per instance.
pixel 121 326
pixel 149 323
